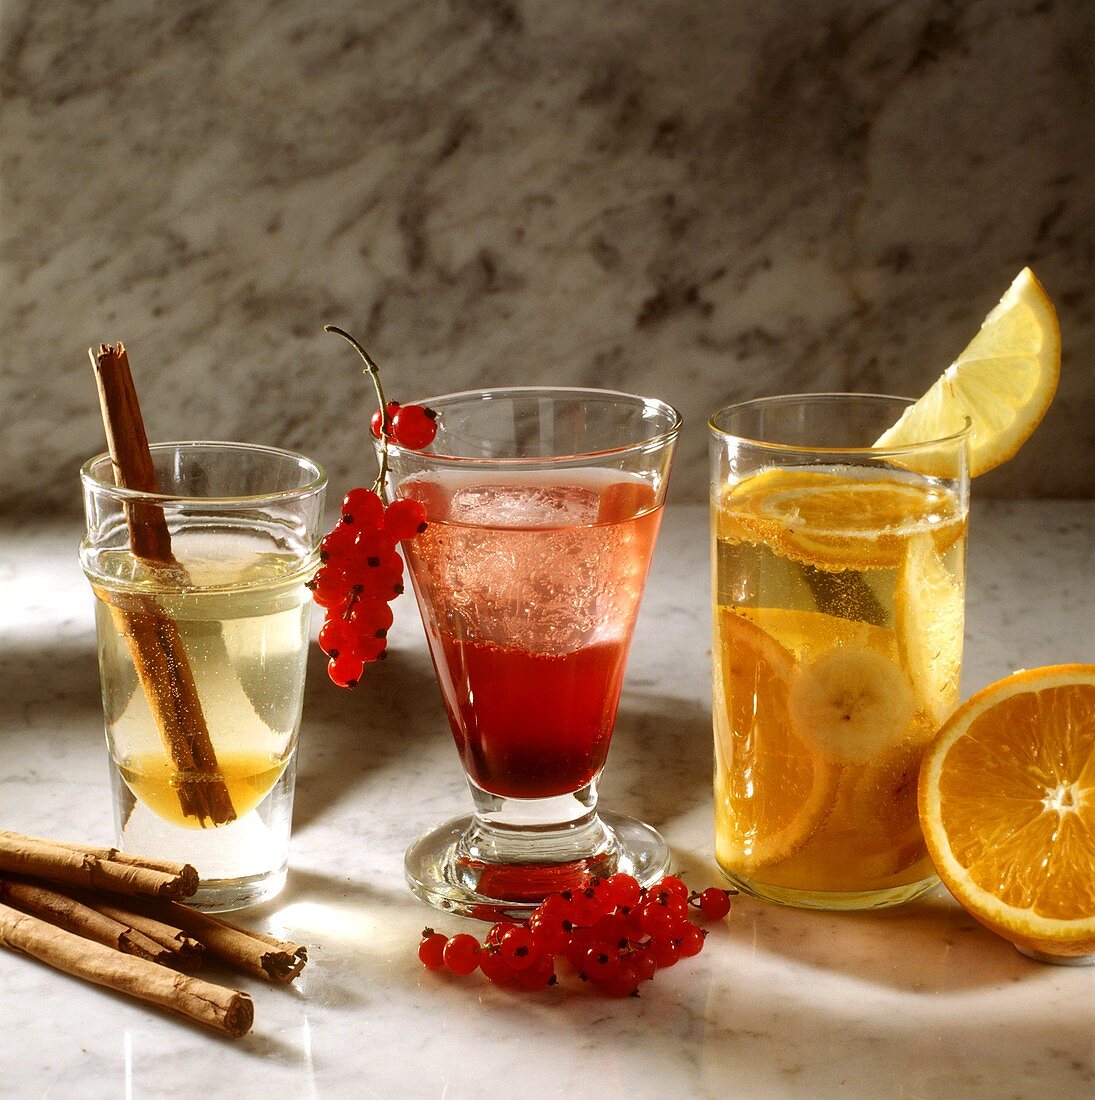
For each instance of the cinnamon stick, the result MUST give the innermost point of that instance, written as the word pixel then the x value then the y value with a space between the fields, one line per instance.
pixel 152 638
pixel 262 955
pixel 228 1011
pixel 29 855
pixel 68 913
pixel 114 855
pixel 186 952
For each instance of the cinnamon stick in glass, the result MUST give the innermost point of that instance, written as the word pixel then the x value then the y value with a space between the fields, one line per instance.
pixel 228 1011
pixel 153 638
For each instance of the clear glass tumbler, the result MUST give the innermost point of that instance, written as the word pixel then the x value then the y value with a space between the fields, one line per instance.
pixel 202 654
pixel 543 508
pixel 839 586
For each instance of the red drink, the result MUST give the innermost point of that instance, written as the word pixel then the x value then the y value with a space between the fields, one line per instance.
pixel 529 590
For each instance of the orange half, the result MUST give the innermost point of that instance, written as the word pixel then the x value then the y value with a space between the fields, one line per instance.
pixel 1007 806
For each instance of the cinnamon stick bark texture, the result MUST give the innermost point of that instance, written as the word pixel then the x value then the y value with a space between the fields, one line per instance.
pixel 152 638
pixel 259 954
pixel 74 866
pixel 185 951
pixel 228 1011
pixel 68 913
pixel 115 855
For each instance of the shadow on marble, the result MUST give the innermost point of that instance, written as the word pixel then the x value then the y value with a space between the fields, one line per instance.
pixel 928 946
pixel 346 737
pixel 63 676
pixel 660 761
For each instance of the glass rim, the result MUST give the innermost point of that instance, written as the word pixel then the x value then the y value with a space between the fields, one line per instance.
pixel 831 396
pixel 316 484
pixel 651 442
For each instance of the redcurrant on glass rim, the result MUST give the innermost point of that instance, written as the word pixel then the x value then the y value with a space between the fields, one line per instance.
pixel 361 570
pixel 542 507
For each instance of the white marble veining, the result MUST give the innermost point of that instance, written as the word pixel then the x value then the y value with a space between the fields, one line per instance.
pixel 700 200
pixel 920 1002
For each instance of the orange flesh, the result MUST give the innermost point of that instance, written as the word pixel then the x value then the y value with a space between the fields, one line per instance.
pixel 1017 800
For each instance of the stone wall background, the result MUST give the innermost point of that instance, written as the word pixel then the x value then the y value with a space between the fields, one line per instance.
pixel 700 200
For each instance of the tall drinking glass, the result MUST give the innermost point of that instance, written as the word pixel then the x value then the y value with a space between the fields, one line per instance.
pixel 202 654
pixel 543 508
pixel 839 582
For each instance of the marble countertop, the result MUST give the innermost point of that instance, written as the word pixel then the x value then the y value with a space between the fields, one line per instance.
pixel 917 1002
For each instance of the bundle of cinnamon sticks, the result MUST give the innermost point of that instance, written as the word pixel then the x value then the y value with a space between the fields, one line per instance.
pixel 116 919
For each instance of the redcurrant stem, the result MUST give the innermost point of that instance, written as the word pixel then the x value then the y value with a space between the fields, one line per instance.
pixel 373 371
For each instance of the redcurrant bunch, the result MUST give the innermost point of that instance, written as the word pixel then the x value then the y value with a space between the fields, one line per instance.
pixel 361 572
pixel 611 932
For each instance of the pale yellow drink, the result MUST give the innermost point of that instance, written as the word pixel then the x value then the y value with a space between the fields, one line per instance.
pixel 242 619
pixel 837 652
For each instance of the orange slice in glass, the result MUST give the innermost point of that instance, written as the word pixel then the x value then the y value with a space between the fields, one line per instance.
pixel 1007 806
pixel 835 519
pixel 773 790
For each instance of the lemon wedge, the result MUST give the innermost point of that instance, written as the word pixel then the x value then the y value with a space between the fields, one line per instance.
pixel 1003 382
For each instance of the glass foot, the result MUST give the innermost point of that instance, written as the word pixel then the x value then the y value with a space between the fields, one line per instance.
pixel 468 867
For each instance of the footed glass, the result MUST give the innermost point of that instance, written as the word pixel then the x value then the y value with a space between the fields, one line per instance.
pixel 543 507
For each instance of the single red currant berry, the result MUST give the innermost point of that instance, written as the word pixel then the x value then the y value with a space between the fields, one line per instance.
pixel 519 948
pixel 714 903
pixel 462 953
pixel 645 966
pixel 431 949
pixel 664 915
pixel 624 982
pixel 337 636
pixel 497 931
pixel 329 587
pixel 581 940
pixel 674 886
pixel 362 509
pixel 586 907
pixel 371 617
pixel 691 940
pixel 666 952
pixel 601 964
pixel 624 889
pixel 370 649
pixel 345 670
pixel 495 967
pixel 611 928
pixel 372 549
pixel 414 427
pixel 336 546
pixel 538 974
pixel 633 922
pixel 551 930
pixel 405 518
pixel 376 423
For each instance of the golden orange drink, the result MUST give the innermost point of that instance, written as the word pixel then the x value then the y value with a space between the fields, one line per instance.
pixel 838 616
